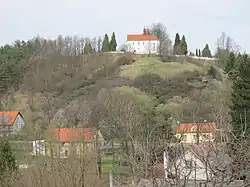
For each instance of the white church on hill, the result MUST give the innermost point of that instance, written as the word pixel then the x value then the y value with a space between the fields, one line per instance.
pixel 144 43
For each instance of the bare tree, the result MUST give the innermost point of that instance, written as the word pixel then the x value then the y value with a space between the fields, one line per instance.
pixel 99 44
pixel 165 46
pixel 141 135
pixel 122 123
pixel 224 46
pixel 72 171
pixel 94 44
pixel 123 48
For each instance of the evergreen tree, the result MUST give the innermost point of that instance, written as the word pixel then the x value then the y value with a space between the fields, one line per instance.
pixel 191 54
pixel 7 159
pixel 196 52
pixel 240 116
pixel 113 44
pixel 105 44
pixel 206 51
pixel 230 63
pixel 87 48
pixel 239 62
pixel 177 42
pixel 237 65
pixel 240 108
pixel 199 53
pixel 13 62
pixel 183 46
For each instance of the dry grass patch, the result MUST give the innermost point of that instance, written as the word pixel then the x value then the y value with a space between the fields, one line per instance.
pixel 142 97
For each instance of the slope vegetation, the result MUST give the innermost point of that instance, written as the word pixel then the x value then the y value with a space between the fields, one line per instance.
pixel 153 65
pixel 61 89
pixel 187 90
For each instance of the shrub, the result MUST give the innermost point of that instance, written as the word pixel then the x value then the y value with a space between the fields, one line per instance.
pixel 214 73
pixel 163 89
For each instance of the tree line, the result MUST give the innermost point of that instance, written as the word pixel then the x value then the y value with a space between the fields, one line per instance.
pixel 180 47
pixel 14 58
pixel 237 68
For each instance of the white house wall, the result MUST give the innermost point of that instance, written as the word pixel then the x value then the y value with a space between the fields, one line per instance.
pixel 203 137
pixel 143 47
pixel 18 124
pixel 198 172
pixel 38 147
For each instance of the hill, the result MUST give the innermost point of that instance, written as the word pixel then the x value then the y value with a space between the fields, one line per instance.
pixel 184 89
pixel 55 87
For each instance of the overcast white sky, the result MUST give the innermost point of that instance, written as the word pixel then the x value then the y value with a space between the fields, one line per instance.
pixel 202 21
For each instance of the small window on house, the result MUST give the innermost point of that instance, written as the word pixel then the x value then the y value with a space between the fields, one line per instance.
pixel 133 43
pixel 154 48
pixel 184 138
pixel 195 137
pixel 138 43
pixel 66 153
pixel 189 164
pixel 207 136
pixel 143 43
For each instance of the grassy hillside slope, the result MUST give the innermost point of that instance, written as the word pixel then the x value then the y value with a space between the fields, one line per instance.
pixel 183 90
pixel 153 65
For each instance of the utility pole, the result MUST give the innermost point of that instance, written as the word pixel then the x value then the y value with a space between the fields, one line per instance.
pixel 110 179
pixel 99 159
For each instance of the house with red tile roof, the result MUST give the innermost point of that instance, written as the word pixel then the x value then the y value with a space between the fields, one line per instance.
pixel 143 43
pixel 11 122
pixel 195 132
pixel 73 141
pixel 65 135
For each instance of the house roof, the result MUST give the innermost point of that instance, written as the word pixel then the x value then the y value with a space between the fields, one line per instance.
pixel 210 155
pixel 214 157
pixel 140 37
pixel 8 117
pixel 196 127
pixel 74 134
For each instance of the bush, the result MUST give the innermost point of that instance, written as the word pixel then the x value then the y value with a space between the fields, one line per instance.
pixel 149 83
pixel 214 73
pixel 7 161
pixel 126 59
pixel 163 89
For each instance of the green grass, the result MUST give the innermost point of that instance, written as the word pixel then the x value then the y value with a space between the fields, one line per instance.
pixel 144 65
pixel 22 157
pixel 142 97
pixel 118 169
